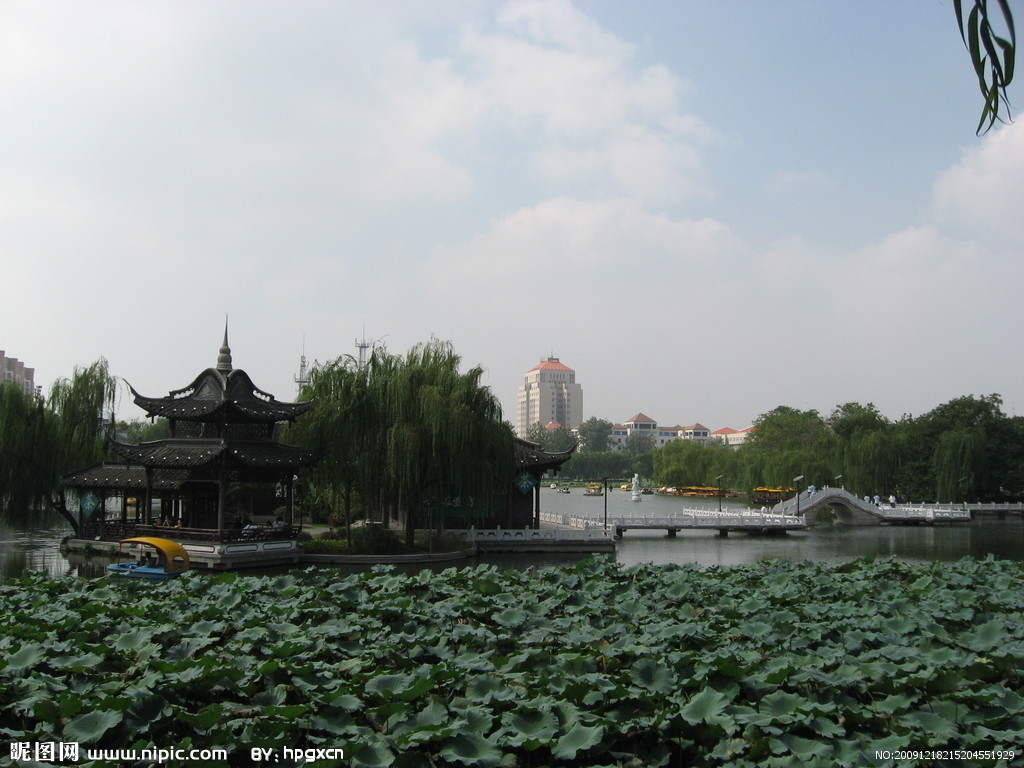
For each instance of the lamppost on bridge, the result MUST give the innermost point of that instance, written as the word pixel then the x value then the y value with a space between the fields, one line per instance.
pixel 718 482
pixel 836 480
pixel 796 481
pixel 605 481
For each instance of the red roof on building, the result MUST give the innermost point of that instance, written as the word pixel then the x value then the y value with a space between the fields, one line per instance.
pixel 641 418
pixel 551 364
pixel 725 431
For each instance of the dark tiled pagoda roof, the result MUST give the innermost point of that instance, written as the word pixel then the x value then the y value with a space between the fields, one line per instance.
pixel 214 394
pixel 238 454
pixel 531 456
pixel 224 392
pixel 123 476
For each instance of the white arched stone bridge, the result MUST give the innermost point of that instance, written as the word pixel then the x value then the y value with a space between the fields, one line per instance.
pixel 851 510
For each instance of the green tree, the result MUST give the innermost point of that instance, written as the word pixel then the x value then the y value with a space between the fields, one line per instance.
pixel 594 466
pixel 405 433
pixel 594 434
pixel 29 469
pixel 40 441
pixel 787 429
pixel 851 419
pixel 339 428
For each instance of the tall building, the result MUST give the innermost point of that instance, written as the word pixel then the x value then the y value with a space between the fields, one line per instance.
pixel 549 393
pixel 14 371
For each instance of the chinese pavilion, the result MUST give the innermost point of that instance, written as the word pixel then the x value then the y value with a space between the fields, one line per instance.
pixel 222 433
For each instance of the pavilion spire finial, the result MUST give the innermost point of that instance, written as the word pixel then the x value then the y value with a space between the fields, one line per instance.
pixel 224 364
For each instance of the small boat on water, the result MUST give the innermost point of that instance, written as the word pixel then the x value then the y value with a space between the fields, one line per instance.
pixel 563 489
pixel 593 489
pixel 159 560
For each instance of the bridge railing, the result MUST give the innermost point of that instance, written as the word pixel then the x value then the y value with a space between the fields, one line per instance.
pixel 591 533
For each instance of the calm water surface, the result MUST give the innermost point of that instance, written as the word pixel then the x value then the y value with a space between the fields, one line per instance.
pixel 38 548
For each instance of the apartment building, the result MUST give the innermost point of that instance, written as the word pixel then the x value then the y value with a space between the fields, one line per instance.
pixel 13 370
pixel 549 393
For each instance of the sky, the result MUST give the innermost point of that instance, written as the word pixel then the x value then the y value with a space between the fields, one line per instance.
pixel 707 210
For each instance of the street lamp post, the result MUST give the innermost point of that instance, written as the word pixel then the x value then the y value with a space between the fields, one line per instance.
pixel 605 479
pixel 836 480
pixel 797 480
pixel 718 482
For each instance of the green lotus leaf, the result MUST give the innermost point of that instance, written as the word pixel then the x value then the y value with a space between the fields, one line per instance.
pixel 930 723
pixel 133 641
pixel 372 756
pixel 206 627
pixel 145 708
pixel 47 710
pixel 471 749
pixel 25 658
pixel 805 750
pixel 487 586
pixel 433 714
pixel 347 702
pixel 708 706
pixel 229 600
pixel 988 636
pixel 399 685
pixel 203 721
pixel 78 662
pixel 88 727
pixel 782 706
pixel 532 726
pixel 579 738
pixel 484 688
pixel 652 675
pixel 511 617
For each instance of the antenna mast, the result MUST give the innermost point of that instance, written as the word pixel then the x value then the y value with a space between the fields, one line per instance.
pixel 302 379
pixel 362 345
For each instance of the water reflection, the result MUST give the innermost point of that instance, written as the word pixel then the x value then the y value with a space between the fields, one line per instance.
pixel 38 548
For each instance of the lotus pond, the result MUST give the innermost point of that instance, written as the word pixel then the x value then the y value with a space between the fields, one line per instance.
pixel 776 663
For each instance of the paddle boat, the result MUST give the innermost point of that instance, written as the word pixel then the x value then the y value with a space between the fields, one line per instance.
pixel 160 560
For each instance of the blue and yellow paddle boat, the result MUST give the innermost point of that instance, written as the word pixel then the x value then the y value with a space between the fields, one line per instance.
pixel 160 560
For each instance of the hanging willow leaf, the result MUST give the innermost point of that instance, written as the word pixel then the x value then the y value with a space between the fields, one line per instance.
pixel 992 54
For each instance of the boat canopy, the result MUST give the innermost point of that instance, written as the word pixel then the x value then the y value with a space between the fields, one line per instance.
pixel 175 557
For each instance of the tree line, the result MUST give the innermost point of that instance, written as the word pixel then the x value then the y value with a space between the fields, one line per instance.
pixel 396 437
pixel 965 450
pixel 400 436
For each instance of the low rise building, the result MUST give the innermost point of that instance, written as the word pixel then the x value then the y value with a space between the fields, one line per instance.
pixel 660 436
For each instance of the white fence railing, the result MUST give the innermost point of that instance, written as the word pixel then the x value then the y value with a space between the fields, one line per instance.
pixel 588 533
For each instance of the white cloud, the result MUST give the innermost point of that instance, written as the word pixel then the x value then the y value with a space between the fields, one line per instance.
pixel 985 188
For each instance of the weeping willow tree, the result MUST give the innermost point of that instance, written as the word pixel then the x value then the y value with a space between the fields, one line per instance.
pixel 959 464
pixel 40 441
pixel 872 462
pixel 28 445
pixel 404 433
pixel 81 405
pixel 443 434
pixel 337 429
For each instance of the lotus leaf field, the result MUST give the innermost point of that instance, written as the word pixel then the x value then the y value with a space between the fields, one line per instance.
pixel 777 663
